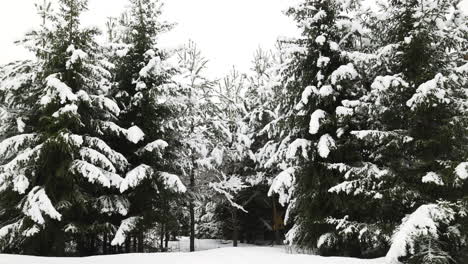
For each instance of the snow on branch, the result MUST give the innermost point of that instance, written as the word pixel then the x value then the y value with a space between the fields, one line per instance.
pixel 461 171
pixel 283 185
pixel 344 72
pixel 358 179
pixel 110 204
pixel 56 88
pixel 325 145
pixel 112 128
pixel 431 92
pixel 126 226
pixel 342 111
pixel 315 120
pixel 383 83
pixel 71 139
pixel 228 187
pixel 301 143
pixel 153 67
pixel 135 134
pixel 107 104
pixel 95 174
pixel 158 145
pixel 10 229
pixel 380 135
pixel 432 177
pixel 77 55
pixel 22 159
pixel 172 182
pixel 12 173
pixel 68 109
pixel 11 146
pixel 425 221
pixel 115 157
pixel 96 158
pixel 135 176
pixel 38 203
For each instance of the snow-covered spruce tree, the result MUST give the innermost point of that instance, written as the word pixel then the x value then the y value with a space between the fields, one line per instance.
pixel 196 130
pixel 414 139
pixel 311 143
pixel 148 97
pixel 432 44
pixel 262 88
pixel 59 177
pixel 234 160
pixel 17 78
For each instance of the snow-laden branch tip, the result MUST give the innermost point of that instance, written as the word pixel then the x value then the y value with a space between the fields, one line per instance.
pixel 158 145
pixel 228 187
pixel 134 177
pixel 283 185
pixel 125 227
pixel 172 182
pixel 325 145
pixel 57 88
pixel 37 203
pixel 95 174
pixel 13 145
pixel 425 221
pixel 135 134
pixel 315 121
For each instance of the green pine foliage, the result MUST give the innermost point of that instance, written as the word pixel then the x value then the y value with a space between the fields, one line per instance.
pixel 57 172
pixel 145 90
pixel 354 133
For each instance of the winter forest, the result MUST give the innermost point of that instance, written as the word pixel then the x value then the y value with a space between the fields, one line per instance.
pixel 347 144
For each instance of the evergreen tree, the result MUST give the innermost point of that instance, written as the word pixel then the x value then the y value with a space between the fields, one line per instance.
pixel 265 214
pixel 196 130
pixel 311 145
pixel 58 171
pixel 232 154
pixel 149 99
pixel 414 134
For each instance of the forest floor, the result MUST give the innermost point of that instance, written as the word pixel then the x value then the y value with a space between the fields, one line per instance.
pixel 226 255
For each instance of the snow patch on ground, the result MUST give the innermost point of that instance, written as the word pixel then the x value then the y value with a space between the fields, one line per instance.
pixel 228 255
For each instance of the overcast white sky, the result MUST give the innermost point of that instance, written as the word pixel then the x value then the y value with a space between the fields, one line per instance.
pixel 227 31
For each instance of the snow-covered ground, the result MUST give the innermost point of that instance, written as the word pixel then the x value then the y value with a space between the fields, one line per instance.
pixel 183 244
pixel 228 255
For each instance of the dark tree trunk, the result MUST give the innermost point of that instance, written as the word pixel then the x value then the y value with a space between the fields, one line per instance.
pixel 91 247
pixel 161 238
pixel 167 239
pixel 276 225
pixel 192 227
pixel 134 244
pixel 140 242
pixel 104 244
pixel 235 228
pixel 59 243
pixel 127 245
pixel 192 210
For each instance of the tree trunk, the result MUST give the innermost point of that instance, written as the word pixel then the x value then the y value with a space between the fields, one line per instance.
pixel 140 242
pixel 235 228
pixel 127 245
pixel 104 244
pixel 161 238
pixel 192 227
pixel 192 210
pixel 275 224
pixel 167 239
pixel 134 244
pixel 60 243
